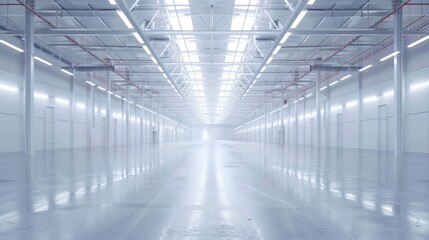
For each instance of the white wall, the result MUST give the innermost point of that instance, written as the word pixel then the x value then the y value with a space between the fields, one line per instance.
pixel 375 81
pixel 212 132
pixel 54 85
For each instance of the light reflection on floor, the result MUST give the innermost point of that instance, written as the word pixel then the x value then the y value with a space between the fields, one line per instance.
pixel 214 190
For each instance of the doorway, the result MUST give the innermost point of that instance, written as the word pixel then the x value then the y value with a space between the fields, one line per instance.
pixel 382 128
pixel 49 128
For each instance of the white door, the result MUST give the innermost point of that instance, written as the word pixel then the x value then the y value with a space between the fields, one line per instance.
pixel 49 128
pixel 382 127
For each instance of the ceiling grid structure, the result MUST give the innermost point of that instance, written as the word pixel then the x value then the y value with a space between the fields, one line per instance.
pixel 214 61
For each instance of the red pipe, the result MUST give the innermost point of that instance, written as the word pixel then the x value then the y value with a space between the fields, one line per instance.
pixel 356 38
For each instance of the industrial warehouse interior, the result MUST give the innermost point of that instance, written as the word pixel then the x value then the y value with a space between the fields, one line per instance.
pixel 214 119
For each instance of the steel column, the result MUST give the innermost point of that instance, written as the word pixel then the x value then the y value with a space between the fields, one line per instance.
pixel 398 81
pixel 127 120
pixel 29 81
pixel 318 114
pixel 72 109
pixel 108 111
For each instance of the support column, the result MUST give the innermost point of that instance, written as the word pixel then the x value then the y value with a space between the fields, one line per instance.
pixel 359 112
pixel 318 114
pixel 90 111
pixel 282 130
pixel 29 80
pixel 127 120
pixel 141 120
pixel 398 81
pixel 296 117
pixel 72 108
pixel 108 111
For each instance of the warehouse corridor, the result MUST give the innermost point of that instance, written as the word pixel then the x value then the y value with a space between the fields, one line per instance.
pixel 213 190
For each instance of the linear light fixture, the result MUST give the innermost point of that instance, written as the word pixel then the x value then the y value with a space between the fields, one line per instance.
pixel 277 49
pixel 311 2
pixel 264 68
pixel 285 37
pixel 365 68
pixel 80 105
pixel 418 42
pixel 67 72
pixel 8 88
pixel 109 92
pixel 62 101
pixel 270 59
pixel 323 88
pixel 309 95
pixel 146 49
pixel 333 83
pixel 154 60
pixel 101 88
pixel 137 36
pixel 419 85
pixel 90 83
pixel 11 46
pixel 116 95
pixel 124 19
pixel 298 19
pixel 113 2
pixel 388 93
pixel 345 77
pixel 41 95
pixel 389 56
pixel 370 99
pixel 351 103
pixel 42 60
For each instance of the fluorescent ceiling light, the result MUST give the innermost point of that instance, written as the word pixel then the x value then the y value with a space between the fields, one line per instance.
pixel 116 95
pixel 62 101
pixel 309 95
pixel 41 95
pixel 335 108
pixel 418 42
pixel 146 49
pixel 333 83
pixel 42 61
pixel 370 99
pixel 365 68
pixel 67 72
pixel 388 93
pixel 101 88
pixel 344 78
pixel 8 88
pixel 113 2
pixel 311 2
pixel 389 56
pixel 298 19
pixel 11 46
pixel 277 49
pixel 137 36
pixel 124 19
pixel 351 103
pixel 90 83
pixel 160 69
pixel 285 37
pixel 270 59
pixel 419 85
pixel 109 92
pixel 323 88
pixel 264 68
pixel 131 102
pixel 80 105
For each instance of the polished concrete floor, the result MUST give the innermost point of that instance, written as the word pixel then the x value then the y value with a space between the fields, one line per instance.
pixel 214 190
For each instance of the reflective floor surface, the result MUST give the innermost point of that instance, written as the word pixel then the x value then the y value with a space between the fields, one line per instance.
pixel 214 190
